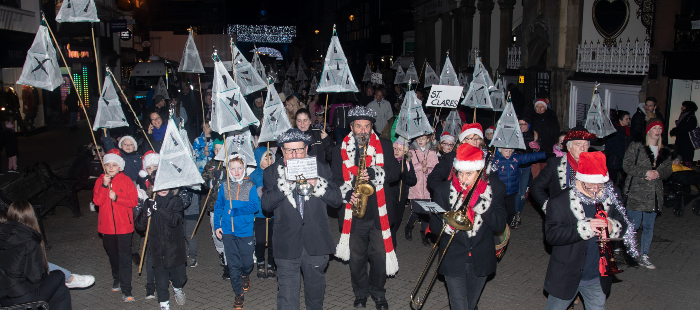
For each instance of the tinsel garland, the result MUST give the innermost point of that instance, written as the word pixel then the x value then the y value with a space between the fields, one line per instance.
pixel 630 236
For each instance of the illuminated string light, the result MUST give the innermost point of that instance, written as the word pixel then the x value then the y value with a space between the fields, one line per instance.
pixel 268 51
pixel 263 33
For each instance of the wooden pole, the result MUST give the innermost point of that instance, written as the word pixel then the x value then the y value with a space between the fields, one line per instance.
pixel 74 86
pixel 97 63
pixel 145 240
pixel 204 207
pixel 421 71
pixel 325 113
pixel 121 92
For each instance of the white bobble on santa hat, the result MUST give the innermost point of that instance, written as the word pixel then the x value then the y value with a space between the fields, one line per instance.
pixel 471 129
pixel 591 168
pixel 469 158
pixel 149 159
pixel 446 136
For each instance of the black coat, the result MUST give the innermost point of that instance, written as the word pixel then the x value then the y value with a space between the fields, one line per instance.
pixel 321 148
pixel 547 127
pixel 551 178
pixel 22 262
pixel 442 170
pixel 490 218
pixel 292 232
pixel 616 146
pixel 569 248
pixel 166 241
pixel 391 171
pixel 683 146
pixel 407 178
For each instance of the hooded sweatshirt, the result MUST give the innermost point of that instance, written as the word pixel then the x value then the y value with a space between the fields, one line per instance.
pixel 233 212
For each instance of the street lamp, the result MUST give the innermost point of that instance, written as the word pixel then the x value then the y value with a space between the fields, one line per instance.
pixel 352 17
pixel 316 31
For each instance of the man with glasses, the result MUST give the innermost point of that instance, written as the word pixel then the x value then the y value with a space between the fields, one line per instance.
pixel 577 219
pixel 303 239
pixel 368 237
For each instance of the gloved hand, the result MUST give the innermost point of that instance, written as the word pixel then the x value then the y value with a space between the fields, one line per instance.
pixel 152 207
pixel 449 230
pixel 534 145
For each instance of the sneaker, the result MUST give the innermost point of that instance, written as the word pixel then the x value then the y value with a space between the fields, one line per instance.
pixel 261 271
pixel 80 281
pixel 128 298
pixel 92 206
pixel 191 262
pixel 238 304
pixel 115 286
pixel 245 283
pixel 644 261
pixel 271 271
pixel 150 291
pixel 12 171
pixel 179 296
pixel 223 259
pixel 151 296
pixel 225 276
pixel 517 220
pixel 165 305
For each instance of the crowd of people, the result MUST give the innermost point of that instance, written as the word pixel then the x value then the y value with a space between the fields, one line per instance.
pixel 255 208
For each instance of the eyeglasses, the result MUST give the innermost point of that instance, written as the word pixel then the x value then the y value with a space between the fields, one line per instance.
pixel 300 150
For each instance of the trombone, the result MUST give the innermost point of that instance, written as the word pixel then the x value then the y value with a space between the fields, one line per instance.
pixel 457 219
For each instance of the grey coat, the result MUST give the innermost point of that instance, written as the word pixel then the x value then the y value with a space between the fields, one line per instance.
pixel 645 195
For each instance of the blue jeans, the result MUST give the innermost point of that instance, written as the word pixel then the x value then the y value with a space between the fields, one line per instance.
pixel 523 182
pixel 53 267
pixel 593 298
pixel 239 256
pixel 646 220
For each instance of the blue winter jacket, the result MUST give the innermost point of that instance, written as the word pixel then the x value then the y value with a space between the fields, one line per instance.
pixel 257 177
pixel 507 169
pixel 240 212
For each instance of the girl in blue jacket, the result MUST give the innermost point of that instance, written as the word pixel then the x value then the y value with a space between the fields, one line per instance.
pixel 234 211
pixel 505 164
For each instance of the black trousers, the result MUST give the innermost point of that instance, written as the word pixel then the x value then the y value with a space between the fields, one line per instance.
pixel 510 205
pixel 464 291
pixel 289 279
pixel 400 208
pixel 259 228
pixel 177 275
pixel 366 243
pixel 118 248
pixel 52 290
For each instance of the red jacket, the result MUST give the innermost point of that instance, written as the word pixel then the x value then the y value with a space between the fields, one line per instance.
pixel 116 217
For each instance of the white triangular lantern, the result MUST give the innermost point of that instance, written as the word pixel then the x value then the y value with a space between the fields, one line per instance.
pixel 74 11
pixel 275 120
pixel 449 75
pixel 109 109
pixel 411 75
pixel 453 124
pixel 161 89
pixel 397 63
pixel 479 67
pixel 412 121
pixel 367 76
pixel 292 71
pixel 190 62
pixel 231 111
pixel 336 77
pixel 175 165
pixel 302 65
pixel 287 88
pixel 430 76
pixel 301 76
pixel 246 77
pixel 313 86
pixel 400 76
pixel 478 93
pixel 239 143
pixel 597 121
pixel 498 98
pixel 508 134
pixel 257 65
pixel 41 67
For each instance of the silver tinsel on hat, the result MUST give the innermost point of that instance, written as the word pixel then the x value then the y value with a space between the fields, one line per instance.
pixel 360 111
pixel 293 135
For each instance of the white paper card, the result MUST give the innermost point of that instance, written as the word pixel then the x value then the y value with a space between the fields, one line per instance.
pixel 444 96
pixel 430 206
pixel 302 166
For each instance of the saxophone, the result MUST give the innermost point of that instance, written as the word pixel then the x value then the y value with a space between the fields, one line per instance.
pixel 362 189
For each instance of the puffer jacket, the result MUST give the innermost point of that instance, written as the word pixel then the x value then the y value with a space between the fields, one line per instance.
pixel 167 237
pixel 211 174
pixel 645 195
pixel 507 168
pixel 234 214
pixel 420 190
pixel 22 262
pixel 116 217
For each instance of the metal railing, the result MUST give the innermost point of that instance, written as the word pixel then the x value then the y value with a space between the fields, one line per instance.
pixel 628 59
pixel 513 58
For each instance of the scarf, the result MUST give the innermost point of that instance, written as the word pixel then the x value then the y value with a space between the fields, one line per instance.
pixel 159 133
pixel 480 188
pixel 375 161
pixel 571 161
pixel 681 117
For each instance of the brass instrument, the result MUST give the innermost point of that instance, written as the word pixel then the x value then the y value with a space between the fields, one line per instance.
pixel 362 189
pixel 304 188
pixel 457 219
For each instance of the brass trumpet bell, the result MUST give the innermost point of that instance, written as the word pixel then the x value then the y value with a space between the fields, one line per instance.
pixel 458 220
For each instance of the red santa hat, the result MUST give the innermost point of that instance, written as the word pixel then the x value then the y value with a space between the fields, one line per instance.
pixel 469 158
pixel 490 129
pixel 446 136
pixel 149 159
pixel 470 129
pixel 591 168
pixel 540 101
pixel 113 156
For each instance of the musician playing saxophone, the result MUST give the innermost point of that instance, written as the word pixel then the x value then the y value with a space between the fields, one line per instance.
pixel 471 257
pixel 367 236
pixel 576 218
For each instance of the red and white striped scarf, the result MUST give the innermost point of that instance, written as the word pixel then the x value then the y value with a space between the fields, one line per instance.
pixel 375 157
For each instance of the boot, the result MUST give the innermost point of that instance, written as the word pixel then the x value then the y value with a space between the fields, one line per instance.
pixel 424 238
pixel 271 271
pixel 261 271
pixel 225 276
pixel 409 233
